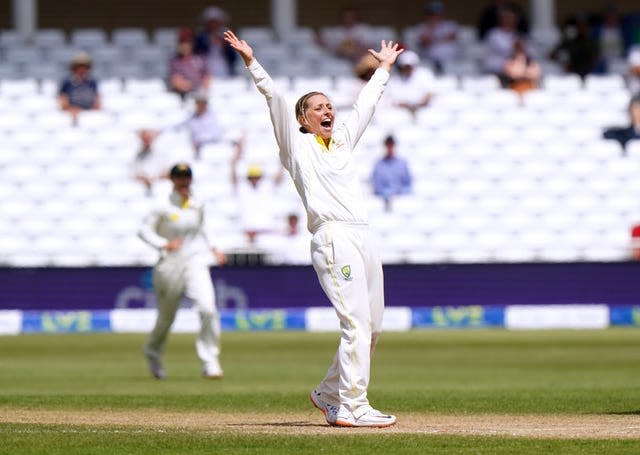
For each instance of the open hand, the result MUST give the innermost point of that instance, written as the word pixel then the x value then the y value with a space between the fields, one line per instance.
pixel 241 46
pixel 387 54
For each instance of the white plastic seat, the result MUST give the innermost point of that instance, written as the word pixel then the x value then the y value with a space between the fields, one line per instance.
pixel 129 37
pixel 17 88
pixel 48 38
pixel 484 84
pixel 564 83
pixel 604 82
pixel 94 120
pixel 88 38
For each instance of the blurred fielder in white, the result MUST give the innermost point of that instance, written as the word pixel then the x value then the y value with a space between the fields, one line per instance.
pixel 176 229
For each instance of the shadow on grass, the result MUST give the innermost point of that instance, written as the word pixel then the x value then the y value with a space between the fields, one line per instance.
pixel 625 413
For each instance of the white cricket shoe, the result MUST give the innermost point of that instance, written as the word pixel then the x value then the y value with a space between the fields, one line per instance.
pixel 330 411
pixel 155 365
pixel 212 371
pixel 371 418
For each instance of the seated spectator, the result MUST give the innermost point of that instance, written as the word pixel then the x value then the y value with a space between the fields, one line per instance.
pixel 254 197
pixel 627 133
pixel 633 70
pixel 79 91
pixel 610 38
pixel 437 37
pixel 413 88
pixel 522 72
pixel 490 17
pixel 500 43
pixel 578 51
pixel 187 71
pixel 210 43
pixel 203 125
pixel 150 165
pixel 391 176
pixel 351 40
pixel 291 245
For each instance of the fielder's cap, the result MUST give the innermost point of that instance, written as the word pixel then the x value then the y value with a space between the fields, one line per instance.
pixel 254 171
pixel 81 58
pixel 181 170
pixel 408 58
pixel 390 139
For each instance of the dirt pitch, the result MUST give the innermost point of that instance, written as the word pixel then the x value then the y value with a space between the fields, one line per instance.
pixel 312 423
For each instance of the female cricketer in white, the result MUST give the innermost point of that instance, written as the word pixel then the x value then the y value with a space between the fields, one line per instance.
pixel 319 159
pixel 175 229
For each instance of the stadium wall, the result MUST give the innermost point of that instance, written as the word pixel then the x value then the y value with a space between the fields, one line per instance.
pixel 70 14
pixel 515 296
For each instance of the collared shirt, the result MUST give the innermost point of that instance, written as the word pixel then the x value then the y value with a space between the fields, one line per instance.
pixel 391 176
pixel 173 218
pixel 81 93
pixel 326 178
pixel 193 68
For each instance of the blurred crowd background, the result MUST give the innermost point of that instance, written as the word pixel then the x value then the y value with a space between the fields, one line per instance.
pixel 510 131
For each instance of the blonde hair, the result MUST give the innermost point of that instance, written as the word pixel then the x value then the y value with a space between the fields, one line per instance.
pixel 301 107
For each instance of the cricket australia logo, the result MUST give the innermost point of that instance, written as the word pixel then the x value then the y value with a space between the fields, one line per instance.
pixel 346 272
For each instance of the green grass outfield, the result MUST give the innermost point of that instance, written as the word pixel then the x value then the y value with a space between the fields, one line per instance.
pixel 590 374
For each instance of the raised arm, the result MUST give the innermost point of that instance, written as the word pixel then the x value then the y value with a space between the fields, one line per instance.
pixel 368 97
pixel 284 126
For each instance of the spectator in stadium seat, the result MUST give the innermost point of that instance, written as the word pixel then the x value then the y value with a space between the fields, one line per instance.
pixel 500 43
pixel 203 125
pixel 437 37
pixel 350 40
pixel 187 71
pixel 79 91
pixel 254 196
pixel 211 45
pixel 413 89
pixel 391 176
pixel 633 70
pixel 608 32
pixel 522 72
pixel 627 133
pixel 578 51
pixel 150 165
pixel 490 17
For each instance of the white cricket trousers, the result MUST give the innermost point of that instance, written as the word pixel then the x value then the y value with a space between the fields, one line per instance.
pixel 173 278
pixel 350 273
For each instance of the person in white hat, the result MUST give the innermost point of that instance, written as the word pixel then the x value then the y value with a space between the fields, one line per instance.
pixel 79 91
pixel 176 229
pixel 413 89
pixel 210 43
pixel 318 153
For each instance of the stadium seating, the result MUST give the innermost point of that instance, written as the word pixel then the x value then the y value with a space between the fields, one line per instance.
pixel 495 178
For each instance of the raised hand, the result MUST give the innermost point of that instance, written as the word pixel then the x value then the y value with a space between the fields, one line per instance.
pixel 241 46
pixel 387 54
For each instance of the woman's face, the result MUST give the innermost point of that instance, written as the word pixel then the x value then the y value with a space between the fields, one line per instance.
pixel 182 185
pixel 318 116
